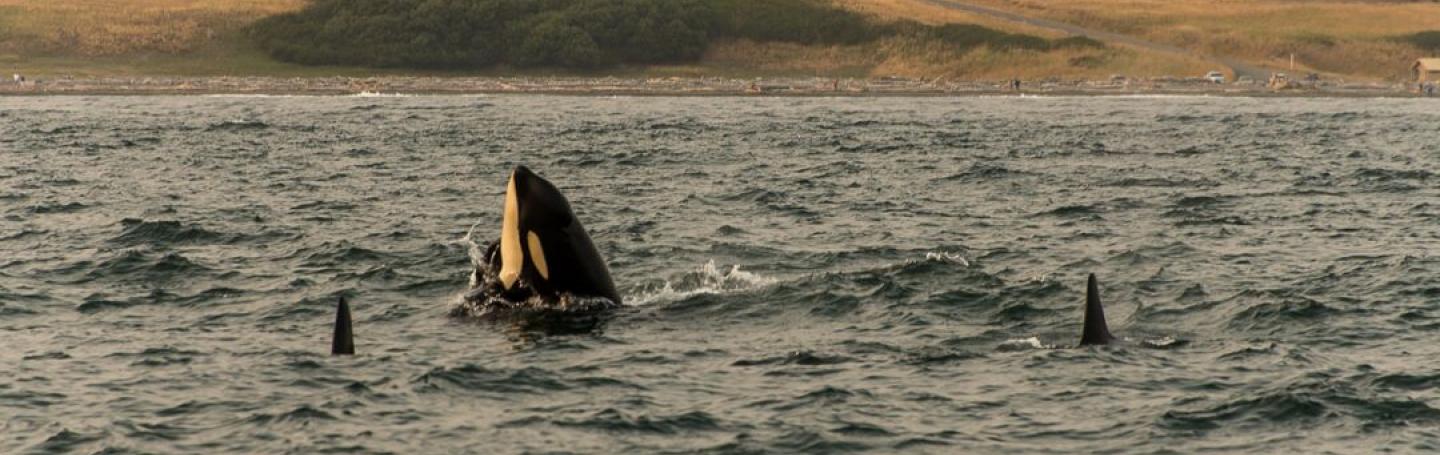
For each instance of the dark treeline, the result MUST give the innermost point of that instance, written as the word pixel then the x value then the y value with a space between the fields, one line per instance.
pixel 580 33
pixel 1429 41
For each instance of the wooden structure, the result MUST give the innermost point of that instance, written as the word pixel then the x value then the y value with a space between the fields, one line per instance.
pixel 1427 70
pixel 1280 81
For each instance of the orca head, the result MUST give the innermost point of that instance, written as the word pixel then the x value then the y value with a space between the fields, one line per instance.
pixel 544 246
pixel 1095 331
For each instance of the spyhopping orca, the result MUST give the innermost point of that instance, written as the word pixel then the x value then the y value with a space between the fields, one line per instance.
pixel 544 263
pixel 1095 332
pixel 344 341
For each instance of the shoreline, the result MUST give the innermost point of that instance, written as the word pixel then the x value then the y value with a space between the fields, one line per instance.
pixel 679 86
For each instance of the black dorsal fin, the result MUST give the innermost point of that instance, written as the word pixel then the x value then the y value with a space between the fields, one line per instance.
pixel 344 343
pixel 1096 332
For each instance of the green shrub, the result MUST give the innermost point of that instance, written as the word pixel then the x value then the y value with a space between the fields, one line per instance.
pixel 793 21
pixel 1429 41
pixel 968 36
pixel 1077 42
pixel 555 42
pixel 579 33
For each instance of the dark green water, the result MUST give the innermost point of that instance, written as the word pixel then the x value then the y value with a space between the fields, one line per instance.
pixel 804 275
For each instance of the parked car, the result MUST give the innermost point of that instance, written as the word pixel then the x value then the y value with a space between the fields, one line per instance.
pixel 1215 76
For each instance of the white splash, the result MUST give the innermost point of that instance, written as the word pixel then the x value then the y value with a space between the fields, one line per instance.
pixel 472 248
pixel 946 256
pixel 1019 344
pixel 1162 342
pixel 709 279
pixel 248 95
pixel 370 94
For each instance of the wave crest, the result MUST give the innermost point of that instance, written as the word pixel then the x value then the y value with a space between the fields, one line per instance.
pixel 708 279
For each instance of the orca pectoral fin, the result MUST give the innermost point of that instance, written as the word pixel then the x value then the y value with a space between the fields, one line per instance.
pixel 1096 331
pixel 344 341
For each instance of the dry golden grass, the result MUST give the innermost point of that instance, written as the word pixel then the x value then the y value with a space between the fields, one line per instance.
pixel 116 27
pixel 1341 37
pixel 793 58
pixel 929 13
pixel 900 57
pixel 930 60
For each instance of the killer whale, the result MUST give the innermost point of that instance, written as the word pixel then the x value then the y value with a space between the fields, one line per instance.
pixel 544 261
pixel 343 343
pixel 557 254
pixel 1096 331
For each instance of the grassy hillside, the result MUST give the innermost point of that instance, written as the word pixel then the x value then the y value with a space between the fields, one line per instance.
pixel 118 27
pixel 991 64
pixel 1364 39
pixel 209 37
pixel 136 37
pixel 204 37
pixel 797 35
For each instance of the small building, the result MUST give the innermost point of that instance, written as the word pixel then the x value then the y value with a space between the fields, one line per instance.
pixel 1427 70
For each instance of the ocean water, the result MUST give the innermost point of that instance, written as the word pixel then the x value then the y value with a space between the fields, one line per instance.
pixel 802 275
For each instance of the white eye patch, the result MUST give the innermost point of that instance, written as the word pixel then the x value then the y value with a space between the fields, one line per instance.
pixel 537 254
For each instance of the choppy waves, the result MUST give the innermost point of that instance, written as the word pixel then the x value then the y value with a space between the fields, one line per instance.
pixel 804 275
pixel 709 279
